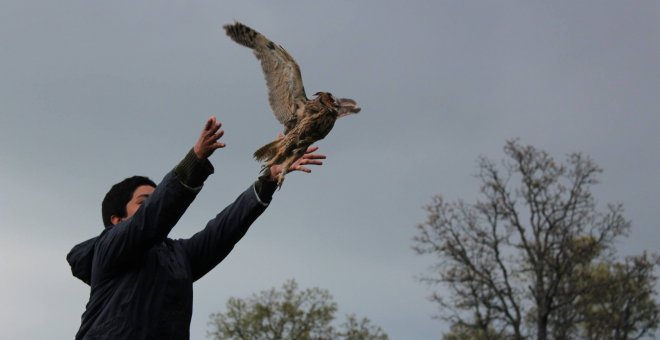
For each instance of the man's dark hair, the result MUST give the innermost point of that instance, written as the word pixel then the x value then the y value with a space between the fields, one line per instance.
pixel 114 202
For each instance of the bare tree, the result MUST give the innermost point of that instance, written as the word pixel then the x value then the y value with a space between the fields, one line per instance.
pixel 514 262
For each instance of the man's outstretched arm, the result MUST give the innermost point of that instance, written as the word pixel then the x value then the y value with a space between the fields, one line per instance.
pixel 156 217
pixel 211 245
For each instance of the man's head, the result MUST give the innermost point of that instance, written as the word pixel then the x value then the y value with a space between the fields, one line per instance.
pixel 124 199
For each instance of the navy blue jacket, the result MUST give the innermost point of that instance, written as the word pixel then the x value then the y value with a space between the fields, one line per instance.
pixel 141 281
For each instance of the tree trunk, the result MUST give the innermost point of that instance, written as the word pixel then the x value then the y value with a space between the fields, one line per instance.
pixel 542 328
pixel 541 301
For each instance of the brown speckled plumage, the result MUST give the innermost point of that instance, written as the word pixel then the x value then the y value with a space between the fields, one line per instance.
pixel 305 121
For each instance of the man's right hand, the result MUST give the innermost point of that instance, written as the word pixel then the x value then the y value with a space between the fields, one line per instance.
pixel 208 139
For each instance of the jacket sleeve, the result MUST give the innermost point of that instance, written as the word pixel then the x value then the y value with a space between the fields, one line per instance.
pixel 80 260
pixel 151 224
pixel 210 246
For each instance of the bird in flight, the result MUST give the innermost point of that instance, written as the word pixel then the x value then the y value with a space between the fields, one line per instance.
pixel 305 120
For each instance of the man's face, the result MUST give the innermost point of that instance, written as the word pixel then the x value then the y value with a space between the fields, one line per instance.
pixel 139 196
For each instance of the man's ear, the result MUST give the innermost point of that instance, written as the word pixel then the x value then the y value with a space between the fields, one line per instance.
pixel 114 219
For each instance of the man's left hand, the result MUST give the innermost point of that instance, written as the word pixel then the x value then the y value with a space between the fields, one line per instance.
pixel 309 158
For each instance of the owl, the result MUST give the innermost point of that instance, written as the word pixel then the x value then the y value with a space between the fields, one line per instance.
pixel 305 120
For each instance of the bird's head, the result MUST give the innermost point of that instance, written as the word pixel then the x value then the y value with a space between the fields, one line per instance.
pixel 344 106
pixel 326 99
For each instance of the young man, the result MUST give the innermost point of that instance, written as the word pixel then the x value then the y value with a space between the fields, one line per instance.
pixel 141 280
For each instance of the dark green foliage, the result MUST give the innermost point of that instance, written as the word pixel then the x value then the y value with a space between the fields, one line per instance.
pixel 288 313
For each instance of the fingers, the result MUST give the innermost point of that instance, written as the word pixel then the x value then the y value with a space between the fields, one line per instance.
pixel 211 127
pixel 212 130
pixel 309 158
pixel 217 144
pixel 299 165
pixel 213 140
pixel 309 154
pixel 308 161
pixel 217 134
pixel 212 136
pixel 209 123
pixel 208 139
pixel 300 168
pixel 313 156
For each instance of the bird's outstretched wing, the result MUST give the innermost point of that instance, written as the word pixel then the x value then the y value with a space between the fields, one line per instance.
pixel 286 93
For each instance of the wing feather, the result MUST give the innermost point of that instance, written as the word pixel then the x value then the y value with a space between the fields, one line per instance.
pixel 286 93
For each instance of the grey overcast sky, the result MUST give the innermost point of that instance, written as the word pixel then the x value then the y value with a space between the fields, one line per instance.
pixel 92 92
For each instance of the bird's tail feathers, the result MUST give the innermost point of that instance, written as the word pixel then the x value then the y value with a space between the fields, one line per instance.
pixel 267 151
